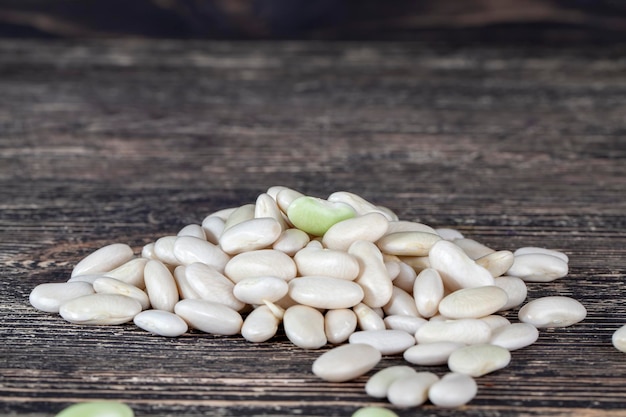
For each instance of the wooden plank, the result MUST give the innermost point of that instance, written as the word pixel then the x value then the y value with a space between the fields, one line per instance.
pixel 128 141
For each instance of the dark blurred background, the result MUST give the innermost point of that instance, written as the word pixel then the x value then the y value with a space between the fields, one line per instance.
pixel 569 21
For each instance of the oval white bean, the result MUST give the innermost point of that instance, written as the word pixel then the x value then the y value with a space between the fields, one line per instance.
pixel 267 207
pixel 466 331
pixel 428 292
pixel 194 230
pixel 160 286
pixel 339 324
pixel 407 243
pixel 131 272
pixel 325 292
pixel 346 362
pixel 211 285
pixel 388 342
pixel 209 317
pixel 453 390
pixel 260 325
pixel 368 227
pixel 538 267
pixel 396 226
pixel 257 290
pixel 327 262
pixel 164 250
pixel 304 327
pixel 104 259
pixel 515 289
pixel 213 227
pixel 457 270
pixel 619 339
pixel 49 297
pixel 253 234
pixel 533 249
pixel 427 354
pixel 472 248
pixel 259 263
pixel 409 324
pixel 188 250
pixel 367 318
pixel 552 311
pixel 411 390
pixel 514 336
pixel 105 309
pixel 162 323
pixel 473 302
pixel 400 303
pixel 378 384
pixel 291 241
pixel 497 263
pixel 107 285
pixel 495 321
pixel 373 277
pixel 478 360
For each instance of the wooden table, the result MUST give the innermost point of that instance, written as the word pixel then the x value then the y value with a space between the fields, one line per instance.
pixel 128 141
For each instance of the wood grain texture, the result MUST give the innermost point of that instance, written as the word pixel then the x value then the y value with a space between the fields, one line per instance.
pixel 105 142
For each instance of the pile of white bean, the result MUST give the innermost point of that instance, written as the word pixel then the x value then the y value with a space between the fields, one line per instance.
pixel 339 271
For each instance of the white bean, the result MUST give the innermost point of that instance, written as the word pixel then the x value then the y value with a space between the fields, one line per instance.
pixel 515 288
pixel 211 285
pixel 495 321
pixel 164 250
pixel 339 324
pixel 194 230
pixel 473 302
pixel 49 297
pixel 478 360
pixel 406 277
pixel 325 292
pixel 552 311
pixel 378 384
pixel 538 267
pixel 188 250
pixel 131 272
pixel 428 292
pixel 472 248
pixel 328 262
pixel 457 270
pixel 409 324
pixel 291 241
pixel 407 243
pixel 373 277
pixel 453 390
pixel 259 263
pixel 346 362
pixel 162 323
pixel 396 226
pixel 260 325
pixel 100 309
pixel 367 318
pixel 108 285
pixel 466 331
pixel 401 303
pixel 209 317
pixel 238 215
pixel 104 259
pixel 304 327
pixel 533 249
pixel 266 207
pixel 619 339
pixel 160 286
pixel 213 227
pixel 514 336
pixel 253 234
pixel 256 290
pixel 497 263
pixel 412 390
pixel 369 227
pixel 388 342
pixel 427 354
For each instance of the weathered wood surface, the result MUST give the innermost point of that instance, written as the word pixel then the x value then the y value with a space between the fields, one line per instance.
pixel 126 142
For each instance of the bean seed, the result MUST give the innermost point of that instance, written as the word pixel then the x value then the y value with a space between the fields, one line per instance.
pixel 266 207
pixel 478 360
pixel 388 342
pixel 538 267
pixel 184 289
pixel 304 327
pixel 260 325
pixel 107 285
pixel 131 272
pixel 97 409
pixel 378 384
pixel 514 336
pixel 409 324
pixel 213 227
pixel 401 303
pixel 457 270
pixel 315 215
pixel 428 292
pixel 497 263
pixel 427 354
pixel 619 339
pixel 256 290
pixel 473 302
pixel 194 230
pixel 162 323
pixel 408 243
pixel 188 250
pixel 104 259
pixel 325 292
pixel 260 263
pixel 148 251
pixel 411 390
pixel 160 286
pixel 406 277
pixel 374 412
pixel 367 319
pixel 453 390
pixel 472 248
pixel 49 297
pixel 339 324
pixel 328 262
pixel 369 227
pixel 291 241
pixel 211 285
pixel 466 331
pixel 100 309
pixel 253 234
pixel 373 276
pixel 164 250
pixel 359 204
pixel 515 289
pixel 209 317
pixel 552 311
pixel 346 362
pixel 495 321
pixel 533 249
pixel 285 197
pixel 240 214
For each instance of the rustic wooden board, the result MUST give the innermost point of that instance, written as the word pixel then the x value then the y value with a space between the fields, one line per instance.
pixel 105 142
